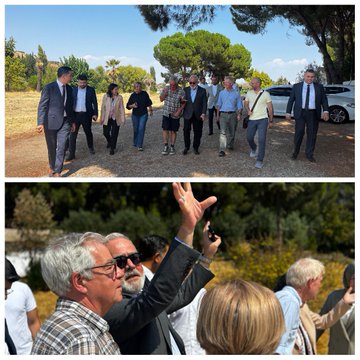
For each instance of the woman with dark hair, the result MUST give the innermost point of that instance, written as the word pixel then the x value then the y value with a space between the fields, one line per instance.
pixel 139 102
pixel 112 115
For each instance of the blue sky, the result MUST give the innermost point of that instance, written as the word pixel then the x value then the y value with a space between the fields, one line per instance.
pixel 99 32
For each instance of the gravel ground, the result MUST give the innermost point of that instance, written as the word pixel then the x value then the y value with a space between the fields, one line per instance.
pixel 26 156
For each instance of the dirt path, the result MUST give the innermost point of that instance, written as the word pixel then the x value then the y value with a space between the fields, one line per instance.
pixel 26 156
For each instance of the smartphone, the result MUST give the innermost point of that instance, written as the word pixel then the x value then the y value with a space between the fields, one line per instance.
pixel 211 234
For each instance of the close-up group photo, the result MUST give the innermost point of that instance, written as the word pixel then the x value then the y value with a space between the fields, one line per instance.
pixel 178 179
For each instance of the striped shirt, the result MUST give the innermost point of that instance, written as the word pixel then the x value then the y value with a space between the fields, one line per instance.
pixel 74 330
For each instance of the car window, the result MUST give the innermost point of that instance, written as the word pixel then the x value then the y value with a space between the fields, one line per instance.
pixel 336 89
pixel 280 92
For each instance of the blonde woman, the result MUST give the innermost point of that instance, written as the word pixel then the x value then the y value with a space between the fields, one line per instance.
pixel 240 317
pixel 112 116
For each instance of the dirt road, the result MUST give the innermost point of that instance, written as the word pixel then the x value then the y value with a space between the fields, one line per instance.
pixel 26 155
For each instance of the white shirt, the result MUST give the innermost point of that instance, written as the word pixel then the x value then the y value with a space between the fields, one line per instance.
pixel 81 100
pixel 311 98
pixel 184 322
pixel 18 303
pixel 62 88
pixel 214 89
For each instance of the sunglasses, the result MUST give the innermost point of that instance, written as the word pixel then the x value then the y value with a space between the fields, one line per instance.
pixel 121 260
pixel 192 83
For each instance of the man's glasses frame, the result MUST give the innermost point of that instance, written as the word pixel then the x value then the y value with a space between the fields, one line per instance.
pixel 121 260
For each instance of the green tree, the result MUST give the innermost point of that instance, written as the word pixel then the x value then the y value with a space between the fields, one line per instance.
pixel 264 77
pixel 153 76
pixel 98 79
pixel 41 64
pixel 33 219
pixel 10 47
pixel 51 74
pixel 29 61
pixel 78 66
pixel 14 74
pixel 178 54
pixel 113 66
pixel 127 75
pixel 282 80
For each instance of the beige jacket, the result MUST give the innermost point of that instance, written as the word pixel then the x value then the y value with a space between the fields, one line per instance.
pixel 119 110
pixel 312 321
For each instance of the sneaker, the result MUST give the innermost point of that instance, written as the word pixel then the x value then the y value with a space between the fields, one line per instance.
pixel 253 153
pixel 172 150
pixel 259 164
pixel 222 153
pixel 166 150
pixel 140 149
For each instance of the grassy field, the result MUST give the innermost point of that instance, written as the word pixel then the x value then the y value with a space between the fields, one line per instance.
pixel 225 270
pixel 21 111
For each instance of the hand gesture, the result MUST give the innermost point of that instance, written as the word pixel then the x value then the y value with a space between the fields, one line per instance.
pixel 349 298
pixel 209 247
pixel 191 210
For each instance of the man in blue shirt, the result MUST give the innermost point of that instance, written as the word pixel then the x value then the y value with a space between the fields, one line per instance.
pixel 303 281
pixel 229 107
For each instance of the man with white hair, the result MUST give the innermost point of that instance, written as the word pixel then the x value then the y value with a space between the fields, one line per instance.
pixel 303 280
pixel 139 324
pixel 81 271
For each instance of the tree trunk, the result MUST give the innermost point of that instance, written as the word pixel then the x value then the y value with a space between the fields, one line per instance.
pixel 39 78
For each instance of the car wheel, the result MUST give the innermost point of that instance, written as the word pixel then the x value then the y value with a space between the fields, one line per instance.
pixel 338 115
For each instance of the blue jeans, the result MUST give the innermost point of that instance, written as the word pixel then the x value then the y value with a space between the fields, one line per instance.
pixel 139 125
pixel 260 126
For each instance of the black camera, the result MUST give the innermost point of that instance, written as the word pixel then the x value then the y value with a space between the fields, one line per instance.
pixel 211 234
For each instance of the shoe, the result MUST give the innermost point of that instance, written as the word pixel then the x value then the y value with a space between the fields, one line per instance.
pixel 70 157
pixel 166 150
pixel 92 151
pixel 196 152
pixel 112 152
pixel 185 151
pixel 259 164
pixel 222 153
pixel 253 153
pixel 140 149
pixel 293 157
pixel 311 159
pixel 172 150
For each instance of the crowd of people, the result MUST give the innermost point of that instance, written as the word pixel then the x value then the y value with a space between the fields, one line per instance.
pixel 114 298
pixel 63 109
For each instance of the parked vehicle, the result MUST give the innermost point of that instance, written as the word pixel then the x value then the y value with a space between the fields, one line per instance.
pixel 340 90
pixel 341 108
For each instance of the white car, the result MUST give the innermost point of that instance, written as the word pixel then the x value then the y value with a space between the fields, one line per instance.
pixel 340 90
pixel 341 108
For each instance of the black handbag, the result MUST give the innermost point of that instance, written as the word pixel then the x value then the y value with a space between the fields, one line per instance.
pixel 246 118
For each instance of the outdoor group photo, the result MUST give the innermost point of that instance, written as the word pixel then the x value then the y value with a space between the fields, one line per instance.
pixel 179 179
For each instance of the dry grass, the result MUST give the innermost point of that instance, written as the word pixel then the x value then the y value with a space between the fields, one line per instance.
pixel 21 111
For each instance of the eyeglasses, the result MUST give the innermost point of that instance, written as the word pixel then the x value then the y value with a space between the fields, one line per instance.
pixel 192 83
pixel 121 260
pixel 109 266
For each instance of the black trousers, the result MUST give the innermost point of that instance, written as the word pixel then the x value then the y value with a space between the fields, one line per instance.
pixel 85 120
pixel 111 132
pixel 212 111
pixel 197 125
pixel 310 121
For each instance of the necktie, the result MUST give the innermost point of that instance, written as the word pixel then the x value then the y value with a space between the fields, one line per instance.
pixel 307 99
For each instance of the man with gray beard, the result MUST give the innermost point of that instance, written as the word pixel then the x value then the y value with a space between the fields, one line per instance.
pixel 139 323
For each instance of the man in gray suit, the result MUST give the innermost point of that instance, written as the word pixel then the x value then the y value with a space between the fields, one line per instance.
pixel 139 323
pixel 194 113
pixel 213 92
pixel 56 119
pixel 308 99
pixel 342 333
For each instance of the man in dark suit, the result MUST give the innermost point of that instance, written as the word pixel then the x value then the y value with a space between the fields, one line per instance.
pixel 55 118
pixel 194 113
pixel 86 111
pixel 139 323
pixel 309 99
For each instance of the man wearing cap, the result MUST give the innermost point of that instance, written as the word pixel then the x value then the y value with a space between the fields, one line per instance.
pixel 21 312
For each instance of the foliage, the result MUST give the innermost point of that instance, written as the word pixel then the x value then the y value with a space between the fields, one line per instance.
pixel 78 65
pixel 14 74
pixel 10 47
pixel 281 81
pixel 320 75
pixel 264 77
pixel 127 75
pixel 33 219
pixel 50 75
pixel 29 61
pixel 82 220
pixel 112 65
pixel 34 277
pixel 153 76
